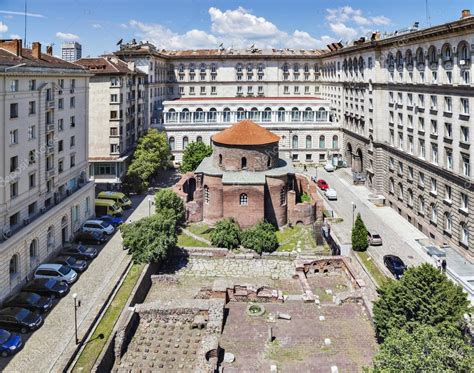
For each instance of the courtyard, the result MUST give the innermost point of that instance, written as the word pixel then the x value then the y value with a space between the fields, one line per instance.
pixel 292 334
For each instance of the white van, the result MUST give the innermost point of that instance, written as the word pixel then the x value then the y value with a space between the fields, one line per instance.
pixel 98 226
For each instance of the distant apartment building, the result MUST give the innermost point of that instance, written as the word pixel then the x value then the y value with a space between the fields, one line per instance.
pixel 45 195
pixel 71 51
pixel 117 106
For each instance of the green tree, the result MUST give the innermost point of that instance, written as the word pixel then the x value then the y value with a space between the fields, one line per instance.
pixel 423 296
pixel 168 202
pixel 193 155
pixel 152 154
pixel 260 238
pixel 425 349
pixel 132 183
pixel 150 239
pixel 226 233
pixel 360 241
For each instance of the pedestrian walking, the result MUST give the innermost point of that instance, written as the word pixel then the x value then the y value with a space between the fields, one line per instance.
pixel 443 265
pixel 438 263
pixel 305 169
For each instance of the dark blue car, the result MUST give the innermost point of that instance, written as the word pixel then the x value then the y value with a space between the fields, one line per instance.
pixel 10 343
pixel 113 220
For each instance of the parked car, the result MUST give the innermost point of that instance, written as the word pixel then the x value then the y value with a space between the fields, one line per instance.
pixel 80 252
pixel 329 167
pixel 322 184
pixel 31 301
pixel 78 265
pixel 395 265
pixel 90 238
pixel 98 226
pixel 331 194
pixel 21 319
pixel 57 271
pixel 374 238
pixel 114 220
pixel 47 287
pixel 10 343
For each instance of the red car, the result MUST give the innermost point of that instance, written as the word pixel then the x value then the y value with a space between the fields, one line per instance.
pixel 322 184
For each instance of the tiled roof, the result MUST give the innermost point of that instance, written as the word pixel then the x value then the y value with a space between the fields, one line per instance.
pixel 245 132
pixel 8 58
pixel 105 65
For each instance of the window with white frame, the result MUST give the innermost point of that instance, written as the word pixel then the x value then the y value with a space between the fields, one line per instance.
pixel 448 222
pixel 466 165
pixel 464 234
pixel 433 102
pixel 449 159
pixel 464 134
pixel 448 130
pixel 434 186
pixel 447 193
pixel 421 179
pixel 464 202
pixel 464 106
pixel 244 200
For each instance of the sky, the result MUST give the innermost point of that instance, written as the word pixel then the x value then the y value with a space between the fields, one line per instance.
pixel 190 24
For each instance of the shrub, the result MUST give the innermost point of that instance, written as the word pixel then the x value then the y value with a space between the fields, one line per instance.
pixel 260 238
pixel 226 233
pixel 360 241
pixel 193 155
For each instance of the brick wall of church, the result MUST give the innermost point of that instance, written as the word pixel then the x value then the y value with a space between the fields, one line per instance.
pixel 246 215
pixel 257 157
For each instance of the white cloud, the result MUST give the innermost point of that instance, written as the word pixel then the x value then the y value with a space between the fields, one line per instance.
pixel 15 36
pixel 238 28
pixel 21 14
pixel 96 25
pixel 67 36
pixel 343 31
pixel 163 37
pixel 241 22
pixel 381 20
pixel 3 27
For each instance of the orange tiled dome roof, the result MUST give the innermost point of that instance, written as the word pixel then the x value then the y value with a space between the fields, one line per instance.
pixel 245 132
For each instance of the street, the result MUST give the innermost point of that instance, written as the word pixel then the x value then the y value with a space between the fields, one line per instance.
pixel 398 235
pixel 49 348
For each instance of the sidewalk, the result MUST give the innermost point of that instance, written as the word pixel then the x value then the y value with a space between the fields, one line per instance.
pixel 49 348
pixel 400 237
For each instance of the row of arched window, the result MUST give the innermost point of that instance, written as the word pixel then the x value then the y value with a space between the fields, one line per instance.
pixel 309 142
pixel 432 213
pixel 431 56
pixel 265 115
pixel 202 68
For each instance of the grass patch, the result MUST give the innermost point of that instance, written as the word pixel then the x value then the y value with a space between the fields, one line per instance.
pixel 199 229
pixel 288 239
pixel 286 354
pixel 370 265
pixel 94 347
pixel 185 240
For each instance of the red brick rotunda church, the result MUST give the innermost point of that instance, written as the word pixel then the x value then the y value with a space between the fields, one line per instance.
pixel 245 179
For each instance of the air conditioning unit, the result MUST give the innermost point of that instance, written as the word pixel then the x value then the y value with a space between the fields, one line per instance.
pixel 68 192
pixel 43 210
pixel 26 221
pixel 462 62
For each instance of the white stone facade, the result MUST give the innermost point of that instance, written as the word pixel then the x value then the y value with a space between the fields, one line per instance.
pixel 43 152
pixel 304 125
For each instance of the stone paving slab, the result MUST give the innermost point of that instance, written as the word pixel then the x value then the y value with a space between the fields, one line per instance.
pixel 49 348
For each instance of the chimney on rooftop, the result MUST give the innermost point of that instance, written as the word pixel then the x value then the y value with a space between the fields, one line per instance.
pixel 465 13
pixel 12 45
pixel 49 50
pixel 36 50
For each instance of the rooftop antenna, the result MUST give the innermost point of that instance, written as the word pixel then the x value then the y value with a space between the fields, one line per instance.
pixel 428 16
pixel 24 41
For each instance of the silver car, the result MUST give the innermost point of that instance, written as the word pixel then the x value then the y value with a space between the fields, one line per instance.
pixel 56 271
pixel 374 238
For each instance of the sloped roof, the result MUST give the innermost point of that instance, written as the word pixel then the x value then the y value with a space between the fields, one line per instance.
pixel 46 61
pixel 245 132
pixel 106 65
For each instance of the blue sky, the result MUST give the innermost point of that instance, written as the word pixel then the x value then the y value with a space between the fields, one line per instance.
pixel 180 24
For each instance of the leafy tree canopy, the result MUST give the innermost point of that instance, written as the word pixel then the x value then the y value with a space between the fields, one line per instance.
pixel 260 238
pixel 149 239
pixel 193 155
pixel 168 202
pixel 424 349
pixel 226 233
pixel 360 241
pixel 424 295
pixel 132 183
pixel 152 154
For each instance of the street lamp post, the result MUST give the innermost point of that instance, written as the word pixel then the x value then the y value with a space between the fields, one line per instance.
pixel 77 304
pixel 150 203
pixel 353 212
